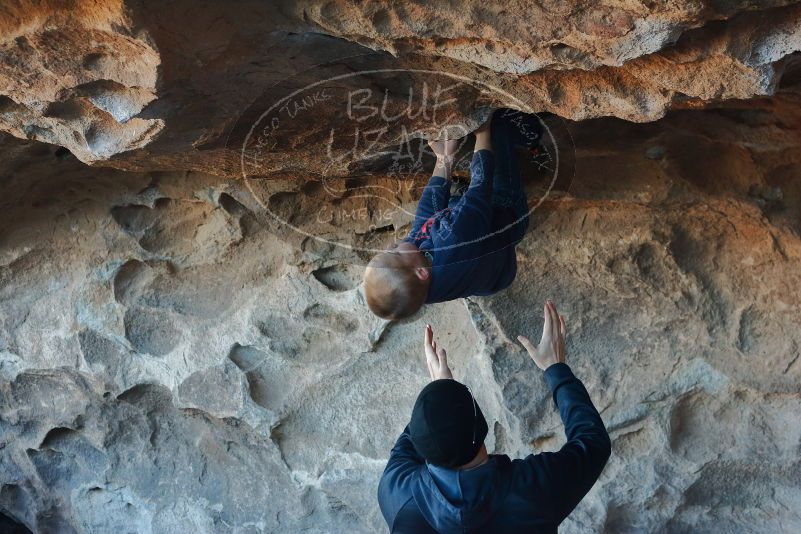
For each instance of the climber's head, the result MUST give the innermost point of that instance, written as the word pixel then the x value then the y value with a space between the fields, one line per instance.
pixel 447 427
pixel 396 281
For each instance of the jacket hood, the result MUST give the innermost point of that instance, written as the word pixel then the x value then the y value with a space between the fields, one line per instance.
pixel 454 501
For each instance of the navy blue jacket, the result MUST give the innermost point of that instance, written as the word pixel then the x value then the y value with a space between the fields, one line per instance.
pixel 472 242
pixel 534 494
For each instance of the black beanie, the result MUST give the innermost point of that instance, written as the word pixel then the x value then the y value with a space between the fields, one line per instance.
pixel 447 426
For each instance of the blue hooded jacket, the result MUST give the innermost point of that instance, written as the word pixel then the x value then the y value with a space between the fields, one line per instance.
pixel 471 241
pixel 534 494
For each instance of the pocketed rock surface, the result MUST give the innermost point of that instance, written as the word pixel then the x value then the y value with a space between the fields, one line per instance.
pixel 173 358
pixel 186 350
pixel 144 84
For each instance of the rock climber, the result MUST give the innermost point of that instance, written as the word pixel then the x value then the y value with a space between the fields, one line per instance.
pixel 440 478
pixel 461 245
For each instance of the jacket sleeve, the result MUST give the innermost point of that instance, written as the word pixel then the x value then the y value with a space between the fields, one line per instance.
pixel 434 198
pixel 571 472
pixel 471 218
pixel 395 487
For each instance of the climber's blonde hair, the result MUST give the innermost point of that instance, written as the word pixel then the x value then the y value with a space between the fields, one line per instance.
pixel 392 290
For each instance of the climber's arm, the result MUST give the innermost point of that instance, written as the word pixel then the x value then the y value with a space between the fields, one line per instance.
pixel 571 472
pixel 434 198
pixel 567 475
pixel 394 487
pixel 472 216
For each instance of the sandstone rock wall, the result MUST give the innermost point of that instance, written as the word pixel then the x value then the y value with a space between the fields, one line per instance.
pixel 144 84
pixel 175 357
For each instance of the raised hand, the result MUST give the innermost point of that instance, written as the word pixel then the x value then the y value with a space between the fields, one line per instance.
pixel 445 148
pixel 445 152
pixel 436 358
pixel 484 128
pixel 483 136
pixel 551 349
